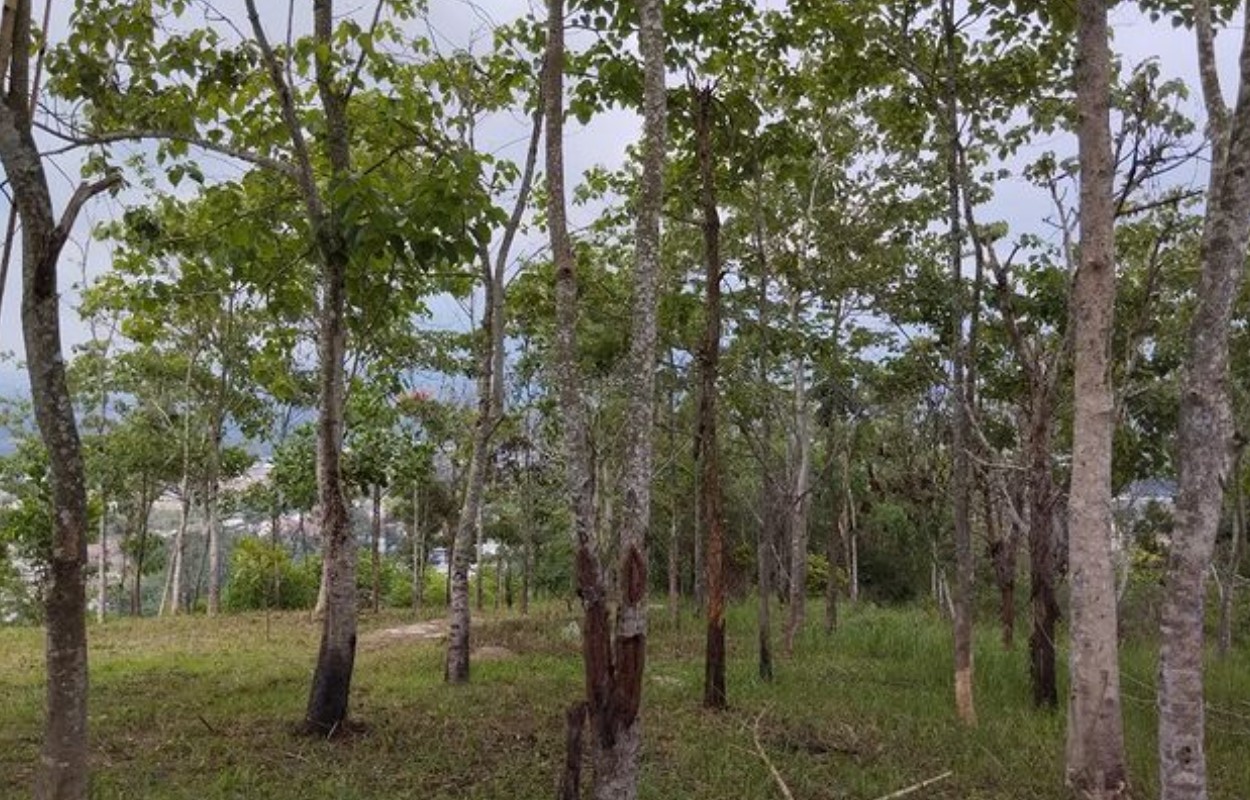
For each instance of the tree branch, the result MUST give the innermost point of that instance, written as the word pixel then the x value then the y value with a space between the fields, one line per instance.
pixel 81 195
pixel 1212 94
pixel 76 138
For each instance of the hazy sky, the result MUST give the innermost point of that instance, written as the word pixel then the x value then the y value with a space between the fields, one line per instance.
pixel 458 24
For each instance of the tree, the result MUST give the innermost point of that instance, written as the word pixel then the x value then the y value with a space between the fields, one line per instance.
pixel 63 765
pixel 1206 441
pixel 1095 761
pixel 613 664
pixel 711 511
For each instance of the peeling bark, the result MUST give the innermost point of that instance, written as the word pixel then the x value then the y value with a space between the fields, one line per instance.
pixel 613 674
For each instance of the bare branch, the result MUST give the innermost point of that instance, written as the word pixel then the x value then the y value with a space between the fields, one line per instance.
pixel 768 762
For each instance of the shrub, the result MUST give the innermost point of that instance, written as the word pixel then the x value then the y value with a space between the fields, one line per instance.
pixel 262 575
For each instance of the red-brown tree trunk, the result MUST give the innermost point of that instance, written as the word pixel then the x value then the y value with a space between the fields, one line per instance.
pixel 711 510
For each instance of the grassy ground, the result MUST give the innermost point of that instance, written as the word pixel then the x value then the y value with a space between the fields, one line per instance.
pixel 205 709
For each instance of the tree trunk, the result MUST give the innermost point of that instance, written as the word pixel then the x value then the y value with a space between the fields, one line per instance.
pixel 180 538
pixel 961 467
pixel 375 547
pixel 613 675
pixel 1042 552
pixel 456 669
pixel 765 535
pixel 184 508
pixel 136 587
pixel 527 525
pixel 796 512
pixel 1206 442
pixel 674 574
pixel 62 771
pixel 1095 743
pixel 418 549
pixel 479 556
pixel 102 587
pixel 213 507
pixel 696 545
pixel 837 533
pixel 710 500
pixel 1224 642
pixel 331 685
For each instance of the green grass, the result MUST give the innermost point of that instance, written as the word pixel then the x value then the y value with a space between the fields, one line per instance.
pixel 206 709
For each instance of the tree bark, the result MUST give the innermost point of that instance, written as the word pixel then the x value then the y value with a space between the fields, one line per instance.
pixel 456 669
pixel 1042 552
pixel 798 501
pixel 1224 640
pixel 613 675
pixel 1095 763
pixel 331 684
pixel 1206 442
pixel 62 772
pixel 375 546
pixel 490 409
pixel 710 500
pixel 418 549
pixel 961 466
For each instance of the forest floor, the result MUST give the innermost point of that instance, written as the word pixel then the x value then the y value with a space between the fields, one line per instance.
pixel 207 709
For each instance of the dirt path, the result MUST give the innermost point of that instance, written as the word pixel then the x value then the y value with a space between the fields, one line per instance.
pixel 429 631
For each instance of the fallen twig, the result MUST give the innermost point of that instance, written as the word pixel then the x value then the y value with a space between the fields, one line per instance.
pixel 916 786
pixel 759 748
pixel 211 729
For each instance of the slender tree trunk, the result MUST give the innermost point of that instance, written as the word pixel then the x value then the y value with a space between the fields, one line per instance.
pixel 674 573
pixel 498 576
pixel 854 579
pixel 375 546
pixel 1042 566
pixel 710 499
pixel 836 535
pixel 798 502
pixel 696 549
pixel 102 587
pixel 213 477
pixel 527 524
pixel 418 549
pixel 1224 642
pixel 1003 553
pixel 62 771
pixel 184 506
pixel 613 674
pixel 1095 744
pixel 213 507
pixel 765 536
pixel 136 587
pixel 480 556
pixel 179 546
pixel 456 669
pixel 1206 442
pixel 961 467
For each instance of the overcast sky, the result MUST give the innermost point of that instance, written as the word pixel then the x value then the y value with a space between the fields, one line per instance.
pixel 459 24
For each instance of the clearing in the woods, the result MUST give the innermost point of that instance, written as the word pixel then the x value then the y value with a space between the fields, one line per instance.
pixel 207 709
